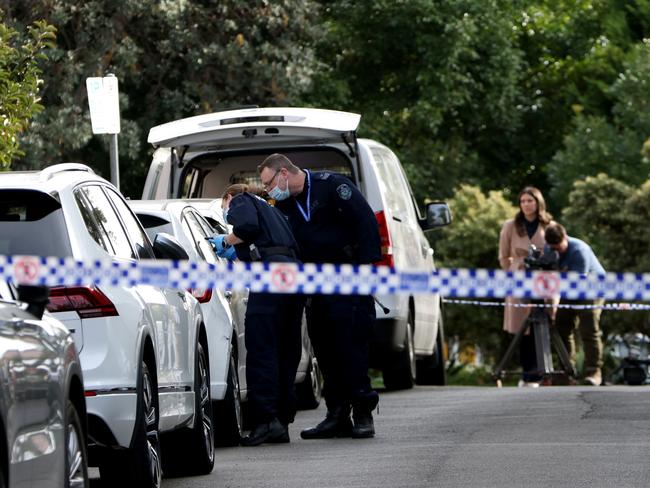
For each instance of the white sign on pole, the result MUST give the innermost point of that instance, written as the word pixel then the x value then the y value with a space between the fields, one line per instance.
pixel 103 99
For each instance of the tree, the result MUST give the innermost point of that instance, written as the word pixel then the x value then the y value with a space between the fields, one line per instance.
pixel 173 59
pixel 20 82
pixel 435 80
pixel 616 143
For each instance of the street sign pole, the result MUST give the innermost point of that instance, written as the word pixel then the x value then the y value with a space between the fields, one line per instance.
pixel 115 163
pixel 103 100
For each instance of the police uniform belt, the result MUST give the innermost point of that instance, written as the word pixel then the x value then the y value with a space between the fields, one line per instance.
pixel 265 252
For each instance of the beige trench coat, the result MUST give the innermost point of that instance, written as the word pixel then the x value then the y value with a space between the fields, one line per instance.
pixel 513 248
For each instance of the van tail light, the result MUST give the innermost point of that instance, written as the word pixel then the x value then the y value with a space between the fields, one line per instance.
pixel 386 244
pixel 88 301
pixel 202 295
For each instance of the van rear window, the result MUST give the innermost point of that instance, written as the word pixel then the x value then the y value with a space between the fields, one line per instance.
pixel 32 222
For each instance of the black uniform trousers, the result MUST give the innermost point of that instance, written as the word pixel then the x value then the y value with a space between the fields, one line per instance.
pixel 274 346
pixel 340 327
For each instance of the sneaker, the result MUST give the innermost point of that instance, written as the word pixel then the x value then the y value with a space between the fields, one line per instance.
pixel 594 379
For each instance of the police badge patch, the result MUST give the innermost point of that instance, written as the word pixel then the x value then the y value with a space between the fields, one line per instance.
pixel 344 191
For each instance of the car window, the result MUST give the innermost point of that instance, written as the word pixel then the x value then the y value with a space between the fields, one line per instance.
pixel 94 228
pixel 392 182
pixel 28 215
pixel 205 225
pixel 198 235
pixel 133 227
pixel 108 220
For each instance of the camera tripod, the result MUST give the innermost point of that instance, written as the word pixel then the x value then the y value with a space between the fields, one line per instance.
pixel 544 334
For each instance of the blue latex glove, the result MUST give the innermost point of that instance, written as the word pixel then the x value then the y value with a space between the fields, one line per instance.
pixel 218 243
pixel 228 253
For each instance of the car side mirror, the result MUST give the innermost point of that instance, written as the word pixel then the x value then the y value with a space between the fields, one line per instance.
pixel 166 246
pixel 36 298
pixel 438 215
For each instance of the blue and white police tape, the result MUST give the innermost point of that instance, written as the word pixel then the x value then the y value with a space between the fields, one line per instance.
pixel 324 278
pixel 574 306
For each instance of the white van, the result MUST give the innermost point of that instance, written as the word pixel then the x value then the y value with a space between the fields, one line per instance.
pixel 199 157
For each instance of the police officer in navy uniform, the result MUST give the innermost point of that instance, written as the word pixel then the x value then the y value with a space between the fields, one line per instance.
pixel 273 321
pixel 333 223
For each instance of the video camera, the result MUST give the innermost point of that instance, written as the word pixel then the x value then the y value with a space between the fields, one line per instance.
pixel 541 259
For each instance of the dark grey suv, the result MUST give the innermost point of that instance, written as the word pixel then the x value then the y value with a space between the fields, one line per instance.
pixel 42 405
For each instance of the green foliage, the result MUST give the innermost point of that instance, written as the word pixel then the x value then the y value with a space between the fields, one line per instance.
pixel 472 241
pixel 435 80
pixel 20 81
pixel 473 238
pixel 614 144
pixel 173 59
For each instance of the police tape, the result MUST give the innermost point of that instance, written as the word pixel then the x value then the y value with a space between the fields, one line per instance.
pixel 573 306
pixel 324 278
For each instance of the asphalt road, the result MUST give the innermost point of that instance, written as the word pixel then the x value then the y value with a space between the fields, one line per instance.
pixel 462 437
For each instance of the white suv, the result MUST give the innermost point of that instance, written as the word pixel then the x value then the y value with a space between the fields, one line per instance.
pixel 143 349
pixel 200 156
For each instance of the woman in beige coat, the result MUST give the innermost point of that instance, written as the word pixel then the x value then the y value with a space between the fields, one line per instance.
pixel 516 236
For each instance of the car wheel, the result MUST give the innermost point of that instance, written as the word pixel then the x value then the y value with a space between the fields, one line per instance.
pixel 76 460
pixel 228 412
pixel 431 370
pixel 140 465
pixel 309 392
pixel 399 374
pixel 189 452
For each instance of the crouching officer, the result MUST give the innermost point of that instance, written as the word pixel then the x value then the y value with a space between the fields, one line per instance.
pixel 273 321
pixel 333 223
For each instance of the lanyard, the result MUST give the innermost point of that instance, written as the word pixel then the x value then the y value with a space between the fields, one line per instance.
pixel 306 214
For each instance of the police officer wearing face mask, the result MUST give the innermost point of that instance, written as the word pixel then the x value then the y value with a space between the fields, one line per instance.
pixel 273 321
pixel 333 223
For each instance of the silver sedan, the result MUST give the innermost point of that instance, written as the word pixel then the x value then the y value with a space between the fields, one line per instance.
pixel 42 405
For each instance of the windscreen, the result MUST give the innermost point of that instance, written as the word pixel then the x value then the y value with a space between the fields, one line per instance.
pixel 32 222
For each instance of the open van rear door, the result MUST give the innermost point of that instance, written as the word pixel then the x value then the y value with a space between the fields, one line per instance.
pixel 233 129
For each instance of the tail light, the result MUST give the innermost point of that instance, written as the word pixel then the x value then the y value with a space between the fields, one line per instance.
pixel 202 295
pixel 89 302
pixel 386 244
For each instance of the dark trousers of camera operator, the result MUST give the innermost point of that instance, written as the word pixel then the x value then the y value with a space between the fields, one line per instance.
pixel 528 357
pixel 567 320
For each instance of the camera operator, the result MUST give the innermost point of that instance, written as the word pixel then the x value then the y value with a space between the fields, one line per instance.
pixel 577 255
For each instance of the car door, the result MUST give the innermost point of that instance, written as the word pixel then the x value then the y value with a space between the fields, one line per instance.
pixel 30 356
pixel 236 301
pixel 175 338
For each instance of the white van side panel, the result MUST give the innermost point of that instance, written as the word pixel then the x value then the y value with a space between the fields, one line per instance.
pixel 385 187
pixel 157 184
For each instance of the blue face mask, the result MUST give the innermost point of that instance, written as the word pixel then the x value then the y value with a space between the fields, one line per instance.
pixel 277 194
pixel 225 214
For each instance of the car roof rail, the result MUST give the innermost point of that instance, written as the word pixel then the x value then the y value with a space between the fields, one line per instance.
pixel 50 171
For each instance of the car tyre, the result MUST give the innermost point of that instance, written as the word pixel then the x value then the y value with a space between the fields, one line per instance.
pixel 228 412
pixel 310 391
pixel 190 452
pixel 76 458
pixel 431 370
pixel 399 374
pixel 141 465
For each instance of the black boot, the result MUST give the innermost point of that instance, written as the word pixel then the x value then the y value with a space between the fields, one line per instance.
pixel 273 432
pixel 337 423
pixel 364 426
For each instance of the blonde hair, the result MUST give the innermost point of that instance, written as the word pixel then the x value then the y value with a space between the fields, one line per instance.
pixel 238 188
